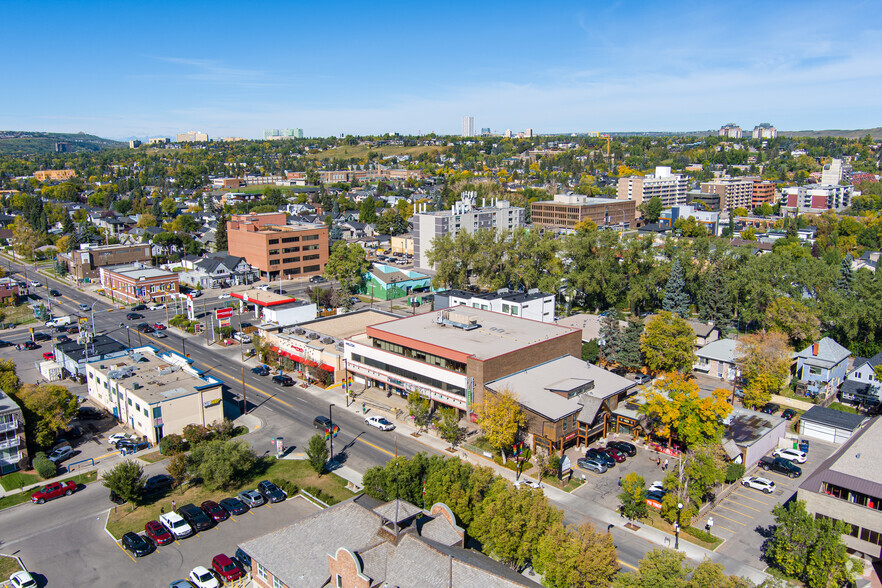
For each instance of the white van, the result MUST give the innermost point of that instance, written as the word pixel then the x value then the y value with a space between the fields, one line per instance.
pixel 57 322
pixel 176 525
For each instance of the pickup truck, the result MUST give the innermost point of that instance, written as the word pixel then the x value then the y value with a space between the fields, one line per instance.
pixel 781 466
pixel 53 490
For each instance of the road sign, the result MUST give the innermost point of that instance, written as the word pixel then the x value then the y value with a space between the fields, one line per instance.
pixel 224 322
pixel 223 313
pixel 83 320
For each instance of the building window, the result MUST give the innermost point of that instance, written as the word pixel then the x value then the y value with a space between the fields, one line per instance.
pixel 261 571
pixel 311 257
pixel 273 241
pixel 310 268
pixel 130 401
pixel 310 237
pixel 339 581
pixel 274 262
pixel 871 536
pixel 506 308
pixel 291 259
pixel 290 239
pixel 277 583
pixel 515 311
pixel 815 371
pixel 273 251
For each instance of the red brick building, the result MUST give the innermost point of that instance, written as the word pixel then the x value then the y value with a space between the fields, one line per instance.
pixel 276 248
pixel 131 284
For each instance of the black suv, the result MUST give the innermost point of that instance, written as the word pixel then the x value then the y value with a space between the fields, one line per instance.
pixel 133 316
pixel 42 337
pixel 624 447
pixel 158 483
pixel 770 408
pixel 283 380
pixel 195 516
pixel 271 492
pixel 145 328
pixel 137 544
pixel 601 456
pixel 139 307
pixel 780 465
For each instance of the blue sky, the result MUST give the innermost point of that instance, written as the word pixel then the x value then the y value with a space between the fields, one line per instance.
pixel 119 69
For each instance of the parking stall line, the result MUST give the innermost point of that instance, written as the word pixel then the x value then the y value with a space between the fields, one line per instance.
pixel 743 505
pixel 735 511
pixel 728 519
pixel 752 498
pixel 127 553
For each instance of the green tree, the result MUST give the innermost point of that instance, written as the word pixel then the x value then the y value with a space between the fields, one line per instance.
pixel 168 206
pixel 677 409
pixel 317 452
pixel 708 574
pixel 660 568
pixel 676 298
pixel 715 302
pixel 456 483
pixel 126 479
pixel 511 523
pixel 67 226
pixel 449 427
pixel 25 238
pixel 221 464
pixel 274 197
pixel 368 211
pixel 809 549
pixel 611 335
pixel 220 233
pixel 795 319
pixel 763 360
pixel 48 409
pixel 347 264
pixel 45 468
pixel 633 497
pixel 843 283
pixel 652 209
pixel 575 557
pixel 156 207
pixel 668 343
pixel 420 409
pixel 630 357
pixel 177 468
pixel 501 418
pixel 391 223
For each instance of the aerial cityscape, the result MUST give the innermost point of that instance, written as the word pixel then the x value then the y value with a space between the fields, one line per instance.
pixel 361 296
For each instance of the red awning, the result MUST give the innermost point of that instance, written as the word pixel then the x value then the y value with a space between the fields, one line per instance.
pixel 274 348
pixel 327 368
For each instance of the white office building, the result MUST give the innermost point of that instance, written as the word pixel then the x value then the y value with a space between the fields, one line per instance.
pixel 835 172
pixel 670 187
pixel 468 126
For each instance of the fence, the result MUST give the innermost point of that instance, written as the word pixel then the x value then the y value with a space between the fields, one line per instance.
pixel 79 464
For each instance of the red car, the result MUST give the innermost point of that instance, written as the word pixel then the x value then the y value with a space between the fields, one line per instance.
pixel 49 356
pixel 158 533
pixel 53 490
pixel 226 567
pixel 159 326
pixel 614 453
pixel 215 511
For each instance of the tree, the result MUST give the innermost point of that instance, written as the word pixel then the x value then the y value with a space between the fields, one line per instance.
pixel 633 497
pixel 611 335
pixel 763 360
pixel 807 548
pixel 156 207
pixel 511 523
pixel 168 206
pixel 26 239
pixel 500 417
pixel 708 574
pixel 49 408
pixel 793 318
pixel 843 284
pixel 221 464
pixel 391 223
pixel 65 243
pixel 317 452
pixel 45 468
pixel 419 408
pixel 630 356
pixel 576 556
pixel 177 467
pixel 220 233
pixel 677 409
pixel 449 428
pixel 146 220
pixel 660 568
pixel 715 302
pixel 676 298
pixel 668 343
pixel 368 211
pixel 347 264
pixel 274 197
pixel 126 479
pixel 652 209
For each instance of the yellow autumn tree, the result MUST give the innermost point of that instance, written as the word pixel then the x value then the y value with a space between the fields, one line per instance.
pixel 676 408
pixel 500 417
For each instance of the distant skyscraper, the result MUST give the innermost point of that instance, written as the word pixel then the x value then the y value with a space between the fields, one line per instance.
pixel 468 126
pixel 485 131
pixel 274 134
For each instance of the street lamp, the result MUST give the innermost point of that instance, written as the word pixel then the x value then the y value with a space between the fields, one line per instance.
pixel 331 431
pixel 677 526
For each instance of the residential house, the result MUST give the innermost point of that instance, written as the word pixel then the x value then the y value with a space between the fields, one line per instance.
pixel 704 332
pixel 718 359
pixel 821 367
pixel 386 282
pixel 861 385
pixel 217 270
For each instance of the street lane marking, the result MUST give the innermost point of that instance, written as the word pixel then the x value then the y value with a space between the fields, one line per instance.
pixel 728 519
pixel 751 498
pixel 744 506
pixel 627 565
pixel 126 552
pixel 735 511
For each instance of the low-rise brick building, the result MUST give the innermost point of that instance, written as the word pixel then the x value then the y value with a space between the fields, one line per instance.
pixel 84 263
pixel 276 248
pixel 131 284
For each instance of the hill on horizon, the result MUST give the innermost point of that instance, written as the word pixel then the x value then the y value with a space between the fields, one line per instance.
pixel 32 142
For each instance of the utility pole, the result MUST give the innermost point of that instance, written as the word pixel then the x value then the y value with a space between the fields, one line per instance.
pixel 244 399
pixel 331 431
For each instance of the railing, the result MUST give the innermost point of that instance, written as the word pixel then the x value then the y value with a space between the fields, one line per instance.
pixel 10 443
pixel 8 426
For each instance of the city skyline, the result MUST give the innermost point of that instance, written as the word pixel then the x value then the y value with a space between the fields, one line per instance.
pixel 161 68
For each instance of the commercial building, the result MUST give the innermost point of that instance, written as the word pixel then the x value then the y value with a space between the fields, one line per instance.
pixel 138 282
pixel 276 248
pixel 464 216
pixel 276 134
pixel 191 137
pixel 765 131
pixel 848 487
pixel 468 126
pixel 275 310
pixel 670 187
pixel 364 175
pixel 156 394
pixel 711 202
pixel 448 356
pixel 402 244
pixel 85 262
pixel 753 433
pixel 385 282
pixel 568 210
pixel 814 198
pixel 13 449
pixel 73 356
pixel 733 192
pixel 56 175
pixel 362 543
pixel 710 220
pixel 763 192
pixel 532 304
pixel 158 141
pixel 731 131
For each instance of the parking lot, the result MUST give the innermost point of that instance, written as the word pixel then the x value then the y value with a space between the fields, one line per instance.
pixel 83 554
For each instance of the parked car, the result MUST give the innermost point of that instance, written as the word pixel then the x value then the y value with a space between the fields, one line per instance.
pixel 48 356
pixel 73 432
pixel 42 337
pixel 137 544
pixel 176 525
pixel 241 337
pixel 655 495
pixel 5 343
pixel 234 506
pixel 261 370
pixel 158 483
pixel 226 568
pixel 642 378
pixel 53 491
pixel 30 345
pixel 592 465
pixel 657 486
pixel 196 293
pixel 788 414
pixel 62 339
pixel 22 579
pixel 791 454
pixel 181 584
pixel 243 558
pixel 614 453
pixel 116 438
pixel 271 492
pixel 195 516
pixel 527 483
pixel 60 454
pixel 781 466
pixel 88 413
pixel 252 498
pixel 202 578
pixel 758 483
pixel 283 380
pixel 770 408
pixel 379 422
pixel 116 498
pixel 35 284
pixel 156 307
pixel 601 456
pixel 138 307
pixel 624 447
pixel 159 534
pixel 213 510
pixel 133 316
pixel 321 422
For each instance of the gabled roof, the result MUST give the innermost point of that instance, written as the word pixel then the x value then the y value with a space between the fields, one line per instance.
pixel 829 353
pixel 833 418
pixel 720 350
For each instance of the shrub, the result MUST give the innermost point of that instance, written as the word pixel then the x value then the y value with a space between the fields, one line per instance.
pixel 223 429
pixel 321 495
pixel 45 468
pixel 734 471
pixel 700 534
pixel 196 434
pixel 172 444
pixel 290 488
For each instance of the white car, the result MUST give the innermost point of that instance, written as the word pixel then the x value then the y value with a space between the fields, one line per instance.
pixel 239 336
pixel 379 422
pixel 176 525
pixel 224 296
pixel 791 454
pixel 156 307
pixel 35 284
pixel 22 580
pixel 116 438
pixel 527 483
pixel 202 578
pixel 657 486
pixel 758 483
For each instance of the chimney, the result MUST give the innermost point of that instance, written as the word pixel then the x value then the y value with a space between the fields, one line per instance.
pixel 815 349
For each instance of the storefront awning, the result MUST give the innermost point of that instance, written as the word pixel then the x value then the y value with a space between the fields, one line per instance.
pixel 327 367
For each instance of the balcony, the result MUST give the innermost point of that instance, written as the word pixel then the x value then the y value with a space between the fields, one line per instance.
pixel 7 426
pixel 10 443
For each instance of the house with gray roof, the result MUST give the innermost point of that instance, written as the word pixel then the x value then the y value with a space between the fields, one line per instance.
pixel 718 359
pixel 821 367
pixel 361 543
pixel 215 270
pixel 827 424
pixel 861 386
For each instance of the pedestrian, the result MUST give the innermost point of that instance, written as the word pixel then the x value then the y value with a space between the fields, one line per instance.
pixel 620 480
pixel 665 467
pixel 658 461
pixel 174 506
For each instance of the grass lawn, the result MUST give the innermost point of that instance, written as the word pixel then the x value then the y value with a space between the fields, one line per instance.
pixel 566 487
pixel 8 566
pixel 361 151
pixel 655 520
pixel 152 457
pixel 17 480
pixel 19 315
pixel 20 497
pixel 124 518
pixel 843 408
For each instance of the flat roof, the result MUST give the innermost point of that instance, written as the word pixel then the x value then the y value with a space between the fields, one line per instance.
pixel 7 404
pixel 263 298
pixel 160 376
pixel 746 427
pixel 496 334
pixel 100 345
pixel 136 272
pixel 350 324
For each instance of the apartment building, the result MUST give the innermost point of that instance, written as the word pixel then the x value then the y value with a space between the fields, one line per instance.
pixel 85 262
pixel 276 248
pixel 532 304
pixel 731 131
pixel 814 198
pixel 710 220
pixel 192 137
pixel 764 131
pixel 836 171
pixel 468 126
pixel 138 282
pixel 13 449
pixel 464 216
pixel 670 187
pixel 568 210
pixel 155 393
pixel 763 192
pixel 733 192
pixel 56 175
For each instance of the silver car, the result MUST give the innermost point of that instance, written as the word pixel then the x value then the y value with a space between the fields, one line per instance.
pixel 252 498
pixel 592 465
